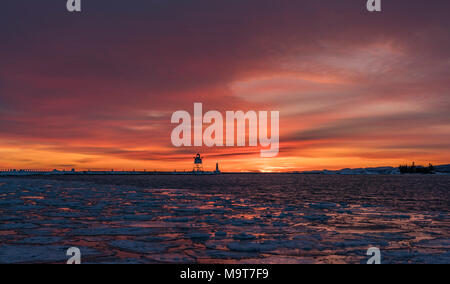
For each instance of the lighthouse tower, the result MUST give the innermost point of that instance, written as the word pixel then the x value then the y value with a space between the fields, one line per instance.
pixel 198 164
pixel 217 171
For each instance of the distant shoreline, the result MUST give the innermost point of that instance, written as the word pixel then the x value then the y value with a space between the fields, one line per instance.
pixel 437 170
pixel 93 173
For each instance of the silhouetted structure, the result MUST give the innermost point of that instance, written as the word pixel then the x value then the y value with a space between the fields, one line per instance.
pixel 198 163
pixel 413 169
pixel 217 171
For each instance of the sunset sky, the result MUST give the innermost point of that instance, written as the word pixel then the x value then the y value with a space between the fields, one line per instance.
pixel 96 89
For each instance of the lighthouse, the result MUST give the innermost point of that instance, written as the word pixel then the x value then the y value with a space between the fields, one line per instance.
pixel 198 164
pixel 217 171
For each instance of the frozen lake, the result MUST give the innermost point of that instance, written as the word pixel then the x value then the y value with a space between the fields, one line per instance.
pixel 225 219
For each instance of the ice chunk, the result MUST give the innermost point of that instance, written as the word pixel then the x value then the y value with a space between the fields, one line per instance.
pixel 139 247
pixel 39 240
pixel 10 254
pixel 105 231
pixel 199 236
pixel 244 236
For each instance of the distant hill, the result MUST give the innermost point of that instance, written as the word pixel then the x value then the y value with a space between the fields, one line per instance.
pixel 442 169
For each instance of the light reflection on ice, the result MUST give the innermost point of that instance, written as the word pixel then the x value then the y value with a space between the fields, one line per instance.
pixel 132 224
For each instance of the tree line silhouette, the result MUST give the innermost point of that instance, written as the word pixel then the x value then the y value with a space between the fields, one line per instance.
pixel 413 169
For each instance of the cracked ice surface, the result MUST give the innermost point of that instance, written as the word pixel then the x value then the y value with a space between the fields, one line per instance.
pixel 225 219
